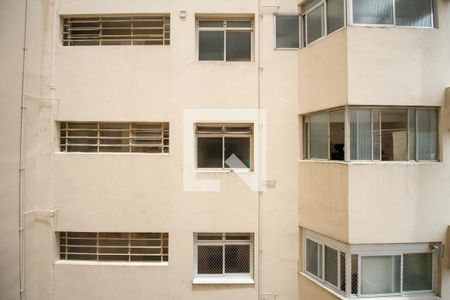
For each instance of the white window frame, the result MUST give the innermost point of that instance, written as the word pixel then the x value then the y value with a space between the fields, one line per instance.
pixel 300 35
pixel 224 278
pixel 367 250
pixel 223 136
pixel 304 22
pixel 225 29
pixel 394 22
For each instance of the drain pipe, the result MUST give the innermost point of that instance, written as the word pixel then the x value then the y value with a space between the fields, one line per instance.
pixel 260 250
pixel 22 164
pixel 53 210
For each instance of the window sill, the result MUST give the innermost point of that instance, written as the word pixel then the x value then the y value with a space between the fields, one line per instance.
pixel 224 280
pixel 418 296
pixel 368 162
pixel 206 170
pixel 111 263
pixel 112 153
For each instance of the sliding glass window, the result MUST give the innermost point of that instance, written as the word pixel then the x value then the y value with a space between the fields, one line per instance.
pixel 412 13
pixel 375 134
pixel 322 17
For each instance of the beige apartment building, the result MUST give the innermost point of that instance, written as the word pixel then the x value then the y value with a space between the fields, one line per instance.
pixel 260 149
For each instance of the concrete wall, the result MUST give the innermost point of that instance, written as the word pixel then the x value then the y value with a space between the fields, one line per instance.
pixel 323 198
pixel 139 192
pixel 323 73
pixel 12 15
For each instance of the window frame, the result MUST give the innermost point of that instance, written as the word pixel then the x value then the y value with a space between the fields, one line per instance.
pixel 367 250
pixel 300 31
pixel 222 135
pixel 306 133
pixel 432 15
pixel 166 19
pixel 304 21
pixel 238 278
pixel 225 29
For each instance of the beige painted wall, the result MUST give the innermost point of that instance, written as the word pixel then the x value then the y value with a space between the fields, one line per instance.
pixel 11 20
pixel 323 73
pixel 138 192
pixel 323 198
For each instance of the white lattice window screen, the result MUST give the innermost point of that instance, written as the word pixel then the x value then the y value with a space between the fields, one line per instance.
pixel 114 246
pixel 114 137
pixel 116 30
pixel 223 254
pixel 370 270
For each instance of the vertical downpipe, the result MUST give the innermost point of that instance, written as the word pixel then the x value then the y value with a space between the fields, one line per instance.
pixel 21 165
pixel 54 40
pixel 260 296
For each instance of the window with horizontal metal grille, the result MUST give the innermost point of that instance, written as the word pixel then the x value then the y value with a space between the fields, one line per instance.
pixel 114 137
pixel 116 30
pixel 114 246
pixel 223 254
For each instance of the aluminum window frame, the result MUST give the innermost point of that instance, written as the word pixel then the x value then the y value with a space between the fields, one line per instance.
pixel 250 136
pixel 307 144
pixel 433 8
pixel 306 132
pixel 224 242
pixel 304 16
pixel 226 29
pixel 300 34
pixel 367 250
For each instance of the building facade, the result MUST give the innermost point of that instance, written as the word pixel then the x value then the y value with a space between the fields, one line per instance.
pixel 272 150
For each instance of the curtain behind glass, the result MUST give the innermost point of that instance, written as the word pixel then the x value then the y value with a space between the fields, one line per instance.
pixel 373 12
pixel 319 135
pixel 380 274
pixel 426 135
pixel 315 24
pixel 335 15
pixel 413 13
pixel 360 134
pixel 287 32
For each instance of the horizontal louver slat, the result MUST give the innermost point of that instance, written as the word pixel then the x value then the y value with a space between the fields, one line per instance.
pixel 123 246
pixel 114 137
pixel 129 30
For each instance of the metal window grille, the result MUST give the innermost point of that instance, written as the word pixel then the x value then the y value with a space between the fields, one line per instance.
pixel 371 270
pixel 114 137
pixel 116 30
pixel 223 254
pixel 114 246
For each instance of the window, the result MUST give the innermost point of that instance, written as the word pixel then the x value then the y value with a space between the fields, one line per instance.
pixel 114 246
pixel 416 13
pixel 224 146
pixel 324 136
pixel 386 134
pixel 223 256
pixel 322 17
pixel 393 134
pixel 376 270
pixel 114 137
pixel 287 31
pixel 116 30
pixel 225 40
pixel 325 263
